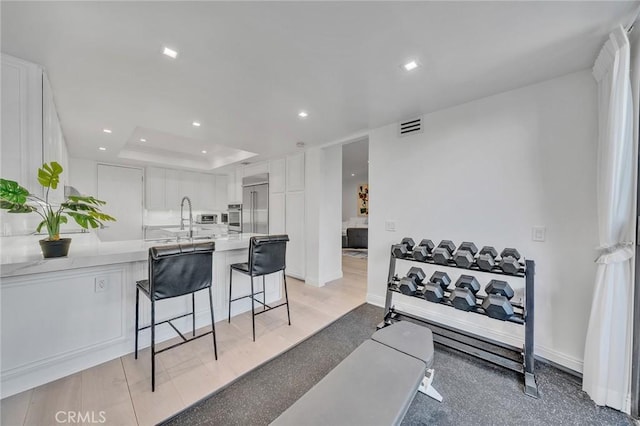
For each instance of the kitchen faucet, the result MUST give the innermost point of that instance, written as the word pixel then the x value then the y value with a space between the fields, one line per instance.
pixel 185 198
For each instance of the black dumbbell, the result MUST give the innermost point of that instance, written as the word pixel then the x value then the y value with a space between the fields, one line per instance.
pixel 496 304
pixel 487 258
pixel 509 261
pixel 465 255
pixel 434 290
pixel 416 274
pixel 409 284
pixel 444 252
pixel 463 297
pixel 423 250
pixel 408 242
pixel 499 287
pixel 399 250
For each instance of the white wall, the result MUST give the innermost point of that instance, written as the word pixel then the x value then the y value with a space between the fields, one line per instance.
pixel 491 170
pixel 323 223
pixel 350 194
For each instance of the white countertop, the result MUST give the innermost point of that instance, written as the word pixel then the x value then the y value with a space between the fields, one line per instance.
pixel 22 255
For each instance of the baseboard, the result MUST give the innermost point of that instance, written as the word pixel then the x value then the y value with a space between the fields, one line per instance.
pixel 544 353
pixel 36 375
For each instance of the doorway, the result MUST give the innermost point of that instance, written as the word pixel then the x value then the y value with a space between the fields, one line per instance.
pixel 355 200
pixel 121 188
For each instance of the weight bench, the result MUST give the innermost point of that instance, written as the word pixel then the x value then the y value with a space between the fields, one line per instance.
pixel 374 385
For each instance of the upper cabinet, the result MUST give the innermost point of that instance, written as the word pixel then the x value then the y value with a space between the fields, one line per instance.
pixel 165 188
pixel 295 172
pixel 222 200
pixel 277 176
pixel 21 147
pixel 207 198
pixel 155 188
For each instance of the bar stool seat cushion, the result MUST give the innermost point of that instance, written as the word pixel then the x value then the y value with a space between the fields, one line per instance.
pixel 241 267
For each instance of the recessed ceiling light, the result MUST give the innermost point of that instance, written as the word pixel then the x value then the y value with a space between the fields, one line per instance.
pixel 196 124
pixel 303 114
pixel 106 130
pixel 143 140
pixel 204 151
pixel 410 65
pixel 353 174
pixel 102 148
pixel 170 53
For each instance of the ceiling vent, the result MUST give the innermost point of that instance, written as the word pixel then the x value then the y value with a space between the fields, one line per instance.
pixel 410 127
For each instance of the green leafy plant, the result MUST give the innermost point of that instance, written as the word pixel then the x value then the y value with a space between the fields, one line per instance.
pixel 85 210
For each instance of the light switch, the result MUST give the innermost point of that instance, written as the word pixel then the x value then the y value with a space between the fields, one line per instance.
pixel 539 233
pixel 390 225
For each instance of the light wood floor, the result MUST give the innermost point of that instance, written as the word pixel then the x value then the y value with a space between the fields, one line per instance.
pixel 122 388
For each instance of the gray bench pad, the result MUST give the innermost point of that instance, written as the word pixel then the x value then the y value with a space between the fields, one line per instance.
pixel 407 337
pixel 374 385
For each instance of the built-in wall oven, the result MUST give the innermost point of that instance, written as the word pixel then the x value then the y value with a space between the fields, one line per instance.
pixel 235 217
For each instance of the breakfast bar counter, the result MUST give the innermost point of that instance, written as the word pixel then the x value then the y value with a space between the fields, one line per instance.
pixel 22 256
pixel 63 315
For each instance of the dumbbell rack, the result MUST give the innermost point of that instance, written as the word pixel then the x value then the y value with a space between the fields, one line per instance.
pixel 508 356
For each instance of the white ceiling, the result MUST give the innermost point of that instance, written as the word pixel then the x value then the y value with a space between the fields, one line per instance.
pixel 246 69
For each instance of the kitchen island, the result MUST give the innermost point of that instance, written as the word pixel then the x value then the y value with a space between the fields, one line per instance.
pixel 63 315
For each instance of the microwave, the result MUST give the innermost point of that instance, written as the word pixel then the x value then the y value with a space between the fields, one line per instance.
pixel 206 218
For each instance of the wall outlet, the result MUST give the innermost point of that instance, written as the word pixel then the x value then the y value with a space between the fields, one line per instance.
pixel 101 284
pixel 390 225
pixel 539 233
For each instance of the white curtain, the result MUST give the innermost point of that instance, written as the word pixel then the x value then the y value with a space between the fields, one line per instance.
pixel 607 359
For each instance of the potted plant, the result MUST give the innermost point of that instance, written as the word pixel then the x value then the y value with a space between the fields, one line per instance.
pixel 85 210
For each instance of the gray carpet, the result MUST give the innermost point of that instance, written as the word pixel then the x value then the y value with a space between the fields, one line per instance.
pixel 475 392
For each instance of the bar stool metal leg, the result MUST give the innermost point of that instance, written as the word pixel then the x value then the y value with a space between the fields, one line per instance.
pixel 153 346
pixel 193 312
pixel 286 296
pixel 264 295
pixel 213 325
pixel 230 279
pixel 137 317
pixel 253 311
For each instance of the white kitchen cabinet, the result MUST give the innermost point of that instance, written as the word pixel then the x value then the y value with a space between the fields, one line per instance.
pixel 294 217
pixel 155 188
pixel 231 187
pixel 277 176
pixel 256 169
pixel 295 172
pixel 221 201
pixel 237 186
pixel 207 196
pixel 277 223
pixel 21 147
pixel 166 187
pixel 172 189
pixel 190 187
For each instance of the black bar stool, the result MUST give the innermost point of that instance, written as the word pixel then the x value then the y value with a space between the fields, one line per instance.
pixel 266 255
pixel 176 270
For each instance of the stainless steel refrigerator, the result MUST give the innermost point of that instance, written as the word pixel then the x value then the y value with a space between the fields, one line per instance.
pixel 255 204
